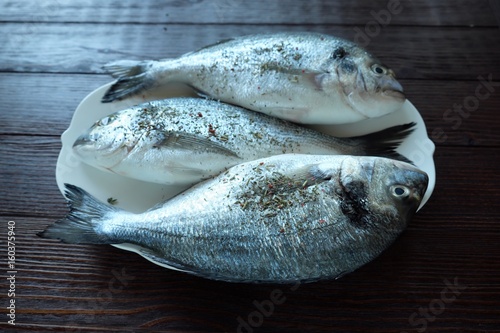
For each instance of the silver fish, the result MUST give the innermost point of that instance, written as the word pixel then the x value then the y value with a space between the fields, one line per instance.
pixel 307 78
pixel 281 219
pixel 185 140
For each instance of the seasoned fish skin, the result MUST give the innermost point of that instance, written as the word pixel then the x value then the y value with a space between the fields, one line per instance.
pixel 281 219
pixel 185 140
pixel 303 77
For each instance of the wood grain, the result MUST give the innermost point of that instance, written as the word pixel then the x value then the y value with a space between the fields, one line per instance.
pixel 313 12
pixel 73 284
pixel 43 104
pixel 51 58
pixel 432 53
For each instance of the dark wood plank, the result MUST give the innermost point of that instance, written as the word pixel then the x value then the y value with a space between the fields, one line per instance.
pixel 43 104
pixel 53 50
pixel 73 282
pixel 495 6
pixel 27 174
pixel 444 107
pixel 380 297
pixel 432 53
pixel 101 287
pixel 404 12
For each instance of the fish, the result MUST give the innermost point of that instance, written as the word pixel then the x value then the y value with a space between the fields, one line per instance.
pixel 303 77
pixel 181 141
pixel 281 219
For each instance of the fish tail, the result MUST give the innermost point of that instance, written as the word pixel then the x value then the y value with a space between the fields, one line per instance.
pixel 132 78
pixel 385 142
pixel 82 225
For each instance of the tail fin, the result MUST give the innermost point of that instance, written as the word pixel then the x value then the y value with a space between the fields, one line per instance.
pixel 82 224
pixel 132 78
pixel 385 142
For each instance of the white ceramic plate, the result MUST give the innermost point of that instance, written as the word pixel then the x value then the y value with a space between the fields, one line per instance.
pixel 137 196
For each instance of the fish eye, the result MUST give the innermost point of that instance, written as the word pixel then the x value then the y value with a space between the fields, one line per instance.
pixel 339 53
pixel 400 191
pixel 379 69
pixel 105 121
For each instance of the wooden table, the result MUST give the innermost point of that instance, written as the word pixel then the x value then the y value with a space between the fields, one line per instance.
pixel 441 275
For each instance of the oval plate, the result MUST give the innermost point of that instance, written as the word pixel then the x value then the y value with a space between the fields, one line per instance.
pixel 137 196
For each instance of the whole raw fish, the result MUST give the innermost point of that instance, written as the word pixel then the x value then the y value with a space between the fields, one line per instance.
pixel 307 78
pixel 281 219
pixel 185 140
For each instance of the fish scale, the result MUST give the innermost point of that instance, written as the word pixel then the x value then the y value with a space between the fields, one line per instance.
pixel 207 231
pixel 307 78
pixel 185 140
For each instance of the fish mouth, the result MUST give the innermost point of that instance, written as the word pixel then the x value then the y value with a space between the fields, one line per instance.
pixel 421 186
pixel 391 87
pixel 82 140
pixel 396 94
pixel 85 143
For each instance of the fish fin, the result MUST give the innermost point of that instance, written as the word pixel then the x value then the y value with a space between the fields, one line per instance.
pixel 385 142
pixel 313 77
pixel 132 78
pixel 308 175
pixel 200 92
pixel 342 274
pixel 292 114
pixel 193 142
pixel 316 79
pixel 157 258
pixel 220 42
pixel 81 225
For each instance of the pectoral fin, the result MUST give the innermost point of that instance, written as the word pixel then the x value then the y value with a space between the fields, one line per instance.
pixel 303 76
pixel 220 42
pixel 192 142
pixel 293 114
pixel 158 259
pixel 308 175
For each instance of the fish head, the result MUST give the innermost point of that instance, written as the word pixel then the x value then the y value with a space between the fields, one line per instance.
pixel 106 143
pixel 379 191
pixel 369 87
pixel 400 185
